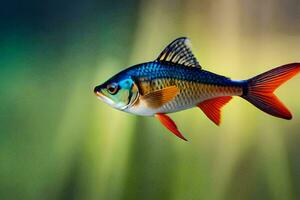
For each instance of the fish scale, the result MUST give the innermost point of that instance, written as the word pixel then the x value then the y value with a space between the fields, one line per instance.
pixel 195 85
pixel 192 94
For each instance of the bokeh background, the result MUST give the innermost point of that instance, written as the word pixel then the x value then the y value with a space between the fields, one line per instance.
pixel 57 141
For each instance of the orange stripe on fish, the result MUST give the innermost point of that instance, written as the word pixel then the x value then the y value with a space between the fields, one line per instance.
pixel 160 97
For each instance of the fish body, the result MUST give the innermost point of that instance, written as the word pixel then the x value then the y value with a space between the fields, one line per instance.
pixel 194 86
pixel 175 81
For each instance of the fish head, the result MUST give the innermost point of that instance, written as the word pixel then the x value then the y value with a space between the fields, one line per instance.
pixel 119 92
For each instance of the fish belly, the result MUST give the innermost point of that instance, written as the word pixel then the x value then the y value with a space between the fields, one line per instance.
pixel 195 93
pixel 191 94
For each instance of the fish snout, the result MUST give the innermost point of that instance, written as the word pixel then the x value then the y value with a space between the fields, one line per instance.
pixel 97 90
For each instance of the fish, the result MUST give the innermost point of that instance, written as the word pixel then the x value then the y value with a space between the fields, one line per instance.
pixel 175 81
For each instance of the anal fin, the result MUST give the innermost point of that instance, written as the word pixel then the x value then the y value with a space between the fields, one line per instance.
pixel 169 124
pixel 212 108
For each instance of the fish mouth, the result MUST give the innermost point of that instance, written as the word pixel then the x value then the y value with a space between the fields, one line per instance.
pixel 98 94
pixel 96 90
pixel 101 96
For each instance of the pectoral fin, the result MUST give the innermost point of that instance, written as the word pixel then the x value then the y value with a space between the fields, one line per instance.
pixel 212 108
pixel 169 124
pixel 158 98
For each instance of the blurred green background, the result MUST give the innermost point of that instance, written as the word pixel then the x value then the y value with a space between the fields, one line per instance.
pixel 57 141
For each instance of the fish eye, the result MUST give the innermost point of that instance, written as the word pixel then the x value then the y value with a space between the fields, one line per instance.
pixel 112 88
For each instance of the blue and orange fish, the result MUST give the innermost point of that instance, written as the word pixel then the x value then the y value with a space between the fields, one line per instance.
pixel 175 81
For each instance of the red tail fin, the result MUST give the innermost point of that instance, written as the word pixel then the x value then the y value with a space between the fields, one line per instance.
pixel 259 90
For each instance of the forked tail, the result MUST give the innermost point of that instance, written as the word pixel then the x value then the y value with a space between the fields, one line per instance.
pixel 259 90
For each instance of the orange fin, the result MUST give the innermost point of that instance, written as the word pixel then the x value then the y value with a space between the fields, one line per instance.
pixel 212 108
pixel 259 90
pixel 169 124
pixel 159 97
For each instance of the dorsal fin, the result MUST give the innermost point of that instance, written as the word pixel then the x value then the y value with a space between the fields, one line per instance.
pixel 179 52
